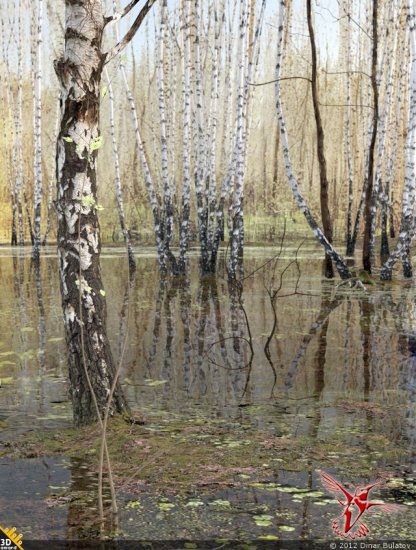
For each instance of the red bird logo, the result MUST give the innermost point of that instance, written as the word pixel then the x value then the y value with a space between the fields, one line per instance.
pixel 350 523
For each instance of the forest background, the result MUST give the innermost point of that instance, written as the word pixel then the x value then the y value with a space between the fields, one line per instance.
pixel 32 38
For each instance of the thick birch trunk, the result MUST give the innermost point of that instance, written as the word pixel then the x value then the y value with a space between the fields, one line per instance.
pixel 91 363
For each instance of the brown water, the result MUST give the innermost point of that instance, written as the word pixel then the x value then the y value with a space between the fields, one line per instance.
pixel 341 365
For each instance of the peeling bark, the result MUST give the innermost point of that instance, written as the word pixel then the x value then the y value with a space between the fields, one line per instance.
pixel 79 71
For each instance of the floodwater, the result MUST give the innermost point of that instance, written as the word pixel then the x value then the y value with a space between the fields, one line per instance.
pixel 333 365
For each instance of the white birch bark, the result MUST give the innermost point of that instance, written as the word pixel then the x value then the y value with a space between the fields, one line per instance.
pixel 293 183
pixel 240 144
pixel 167 189
pixel 383 118
pixel 38 133
pixel 117 174
pixel 407 225
pixel 187 145
pixel 350 167
pixel 212 134
pixel 19 129
pixel 201 200
pixel 157 223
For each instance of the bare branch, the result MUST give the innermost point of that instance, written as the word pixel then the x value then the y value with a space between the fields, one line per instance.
pixel 111 54
pixel 279 80
pixel 117 16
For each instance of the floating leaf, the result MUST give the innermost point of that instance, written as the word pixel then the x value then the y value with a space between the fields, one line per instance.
pixel 194 503
pixel 263 520
pixel 222 503
pixel 166 506
pixel 268 537
pixel 68 139
pixel 102 292
pixel 134 504
pixel 286 528
pixel 153 383
pixel 104 91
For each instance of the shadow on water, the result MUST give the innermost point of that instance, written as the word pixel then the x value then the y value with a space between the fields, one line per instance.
pixel 323 374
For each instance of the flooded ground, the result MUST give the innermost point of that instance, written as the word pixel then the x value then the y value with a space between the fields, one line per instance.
pixel 328 382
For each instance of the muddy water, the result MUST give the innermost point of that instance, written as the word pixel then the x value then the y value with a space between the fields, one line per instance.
pixel 333 366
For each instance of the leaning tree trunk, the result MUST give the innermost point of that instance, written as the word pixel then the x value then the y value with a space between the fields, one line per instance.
pixel 320 146
pixel 293 183
pixel 79 71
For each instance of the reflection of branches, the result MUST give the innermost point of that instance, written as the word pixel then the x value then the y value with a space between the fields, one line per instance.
pixel 326 309
pixel 156 326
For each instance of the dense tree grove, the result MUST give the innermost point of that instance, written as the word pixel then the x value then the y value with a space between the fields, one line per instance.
pixel 203 122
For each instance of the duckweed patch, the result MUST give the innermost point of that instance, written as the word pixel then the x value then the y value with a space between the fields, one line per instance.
pixel 188 454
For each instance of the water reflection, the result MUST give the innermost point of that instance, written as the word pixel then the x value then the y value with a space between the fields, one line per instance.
pixel 201 343
pixel 322 363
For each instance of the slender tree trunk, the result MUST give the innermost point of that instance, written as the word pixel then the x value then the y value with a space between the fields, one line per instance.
pixel 370 198
pixel 407 225
pixel 38 134
pixel 157 221
pixel 187 145
pixel 293 183
pixel 167 188
pixel 320 147
pixel 91 364
pixel 119 193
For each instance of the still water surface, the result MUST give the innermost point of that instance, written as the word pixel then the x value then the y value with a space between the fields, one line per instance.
pixel 339 365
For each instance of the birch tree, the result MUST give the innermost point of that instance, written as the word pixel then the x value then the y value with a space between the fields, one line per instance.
pixel 320 145
pixel 91 365
pixel 293 183
pixel 37 113
pixel 407 224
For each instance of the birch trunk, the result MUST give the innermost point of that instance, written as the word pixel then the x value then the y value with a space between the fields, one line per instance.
pixel 38 134
pixel 407 225
pixel 119 193
pixel 237 221
pixel 320 146
pixel 91 365
pixel 167 189
pixel 370 204
pixel 186 152
pixel 293 183
pixel 201 198
pixel 157 222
